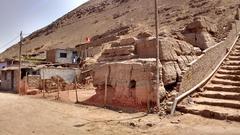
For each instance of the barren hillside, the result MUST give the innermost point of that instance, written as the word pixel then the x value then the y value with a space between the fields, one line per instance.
pixel 98 16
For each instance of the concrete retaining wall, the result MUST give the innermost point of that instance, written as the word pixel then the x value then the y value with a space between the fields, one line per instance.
pixel 202 67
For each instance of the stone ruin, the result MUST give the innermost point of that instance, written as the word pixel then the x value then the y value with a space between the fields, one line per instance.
pixel 198 32
pixel 130 66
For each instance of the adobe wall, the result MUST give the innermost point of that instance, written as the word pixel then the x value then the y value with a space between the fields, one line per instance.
pixel 67 74
pixel 130 83
pixel 199 69
pixel 89 51
pixel 146 48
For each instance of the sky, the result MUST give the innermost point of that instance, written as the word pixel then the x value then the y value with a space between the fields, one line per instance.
pixel 29 16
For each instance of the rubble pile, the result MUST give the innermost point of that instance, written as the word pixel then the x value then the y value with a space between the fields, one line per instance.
pixel 57 83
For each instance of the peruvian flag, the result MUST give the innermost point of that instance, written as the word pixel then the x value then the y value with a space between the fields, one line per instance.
pixel 88 39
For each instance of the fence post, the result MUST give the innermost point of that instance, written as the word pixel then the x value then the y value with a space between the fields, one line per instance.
pixel 105 92
pixel 58 97
pixel 44 84
pixel 76 90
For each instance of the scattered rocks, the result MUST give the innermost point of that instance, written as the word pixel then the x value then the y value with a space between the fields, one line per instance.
pixel 175 122
pixel 128 41
pixel 149 124
pixel 132 124
pixel 144 35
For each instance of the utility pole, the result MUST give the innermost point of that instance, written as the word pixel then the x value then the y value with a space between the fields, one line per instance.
pixel 20 62
pixel 157 59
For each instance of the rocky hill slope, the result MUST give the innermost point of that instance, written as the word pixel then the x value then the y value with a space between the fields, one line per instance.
pixel 99 16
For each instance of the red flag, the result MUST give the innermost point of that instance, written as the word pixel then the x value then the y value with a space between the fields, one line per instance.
pixel 88 39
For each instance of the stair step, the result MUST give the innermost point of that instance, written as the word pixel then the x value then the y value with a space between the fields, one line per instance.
pixel 237 48
pixel 235 53
pixel 232 62
pixel 214 112
pixel 229 72
pixel 221 95
pixel 231 67
pixel 225 82
pixel 219 87
pixel 235 58
pixel 117 58
pixel 217 102
pixel 228 77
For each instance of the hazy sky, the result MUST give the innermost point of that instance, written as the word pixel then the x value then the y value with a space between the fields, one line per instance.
pixel 28 16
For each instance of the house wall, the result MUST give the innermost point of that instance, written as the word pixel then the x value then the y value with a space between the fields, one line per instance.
pixel 51 56
pixel 67 74
pixel 6 83
pixel 69 58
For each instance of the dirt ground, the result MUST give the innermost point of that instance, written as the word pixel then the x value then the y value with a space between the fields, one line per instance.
pixel 22 115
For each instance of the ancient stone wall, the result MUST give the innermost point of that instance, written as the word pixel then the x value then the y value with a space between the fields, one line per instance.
pixel 130 83
pixel 174 55
pixel 207 62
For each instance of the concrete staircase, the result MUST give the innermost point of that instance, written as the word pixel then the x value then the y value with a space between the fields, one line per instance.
pixel 220 97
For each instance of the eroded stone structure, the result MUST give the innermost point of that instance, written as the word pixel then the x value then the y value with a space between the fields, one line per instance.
pixel 129 67
pixel 198 32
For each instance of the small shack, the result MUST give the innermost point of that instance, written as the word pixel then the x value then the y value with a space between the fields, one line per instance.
pixel 9 77
pixel 63 56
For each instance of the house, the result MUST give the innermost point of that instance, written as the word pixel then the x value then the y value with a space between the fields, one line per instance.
pixel 62 56
pixel 10 77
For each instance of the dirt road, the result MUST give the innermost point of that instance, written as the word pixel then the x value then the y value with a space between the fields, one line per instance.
pixel 29 116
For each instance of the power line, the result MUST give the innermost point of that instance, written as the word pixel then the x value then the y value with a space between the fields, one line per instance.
pixel 6 44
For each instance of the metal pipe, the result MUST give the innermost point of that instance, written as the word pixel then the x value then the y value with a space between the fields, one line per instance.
pixel 157 58
pixel 177 99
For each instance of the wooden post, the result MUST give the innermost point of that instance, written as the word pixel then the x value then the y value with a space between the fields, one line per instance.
pixel 44 83
pixel 76 90
pixel 158 55
pixel 20 62
pixel 58 97
pixel 25 83
pixel 105 92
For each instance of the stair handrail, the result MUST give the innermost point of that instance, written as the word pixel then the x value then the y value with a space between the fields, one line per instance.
pixel 177 99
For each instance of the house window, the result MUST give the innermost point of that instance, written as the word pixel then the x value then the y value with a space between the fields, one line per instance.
pixel 63 55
